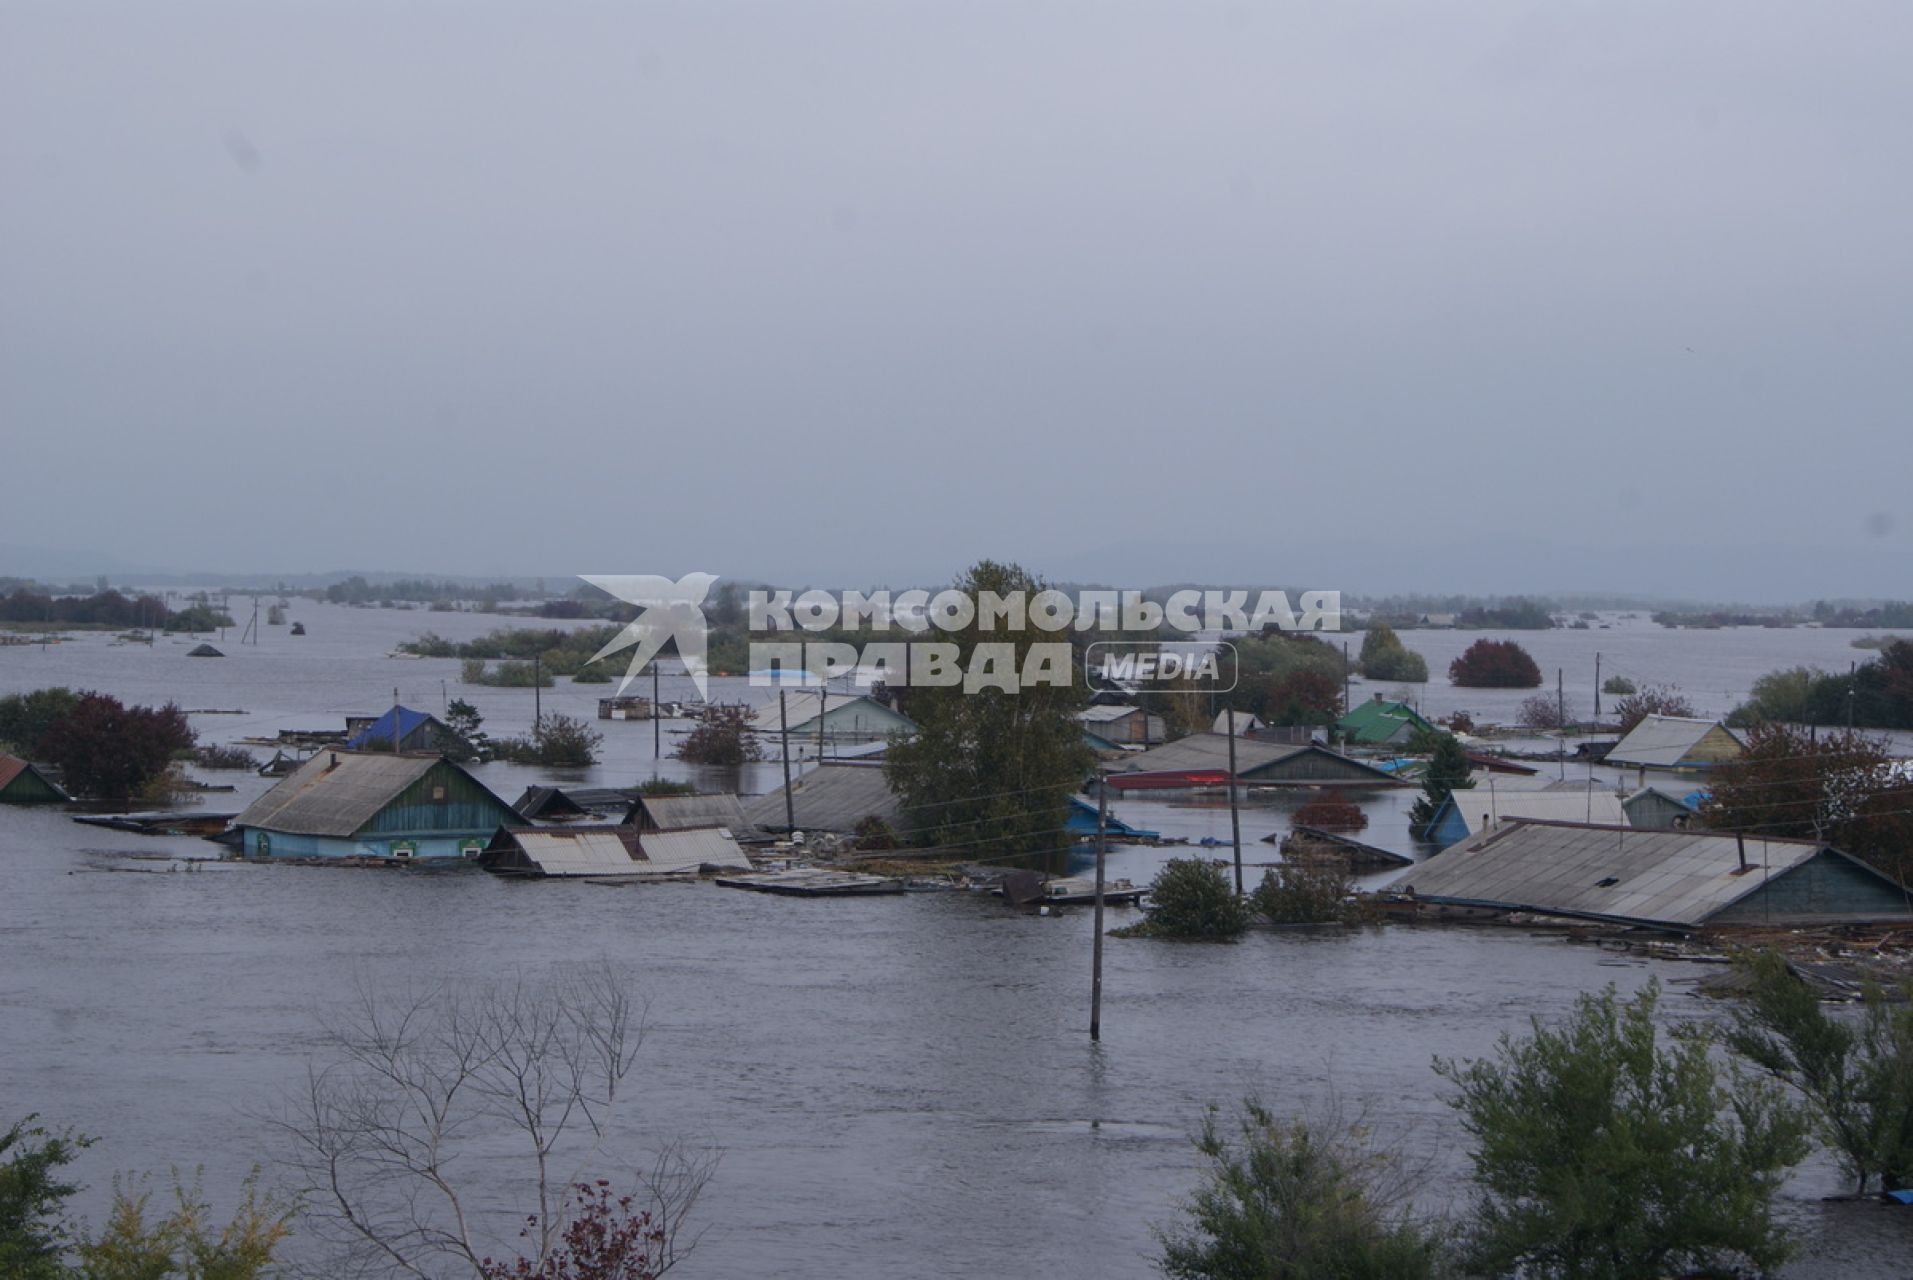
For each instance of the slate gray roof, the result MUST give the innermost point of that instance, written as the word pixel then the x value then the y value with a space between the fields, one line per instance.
pixel 1602 807
pixel 678 813
pixel 831 797
pixel 1210 751
pixel 1102 712
pixel 683 852
pixel 1668 878
pixel 578 851
pixel 1662 741
pixel 336 792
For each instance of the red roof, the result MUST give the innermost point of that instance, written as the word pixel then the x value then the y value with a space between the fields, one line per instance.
pixel 11 767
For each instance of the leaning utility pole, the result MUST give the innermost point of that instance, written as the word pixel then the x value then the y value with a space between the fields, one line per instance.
pixel 1235 814
pixel 1096 945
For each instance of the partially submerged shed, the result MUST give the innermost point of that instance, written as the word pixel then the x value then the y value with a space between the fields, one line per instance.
pixel 611 852
pixel 1678 880
pixel 400 729
pixel 1659 808
pixel 681 813
pixel 1380 722
pixel 23 783
pixel 1675 742
pixel 1474 811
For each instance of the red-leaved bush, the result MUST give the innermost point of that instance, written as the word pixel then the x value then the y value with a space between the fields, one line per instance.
pixel 606 1239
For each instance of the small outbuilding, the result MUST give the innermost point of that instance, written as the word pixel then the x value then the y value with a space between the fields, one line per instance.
pixel 23 783
pixel 415 731
pixel 1122 725
pixel 1475 811
pixel 1662 808
pixel 832 798
pixel 1676 743
pixel 846 717
pixel 610 853
pixel 204 651
pixel 1382 723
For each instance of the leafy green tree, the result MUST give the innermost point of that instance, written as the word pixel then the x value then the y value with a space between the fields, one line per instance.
pixel 1856 1077
pixel 462 718
pixel 990 771
pixel 1495 664
pixel 1618 686
pixel 1292 1201
pixel 1447 773
pixel 1603 1154
pixel 1306 892
pixel 33 1229
pixel 26 718
pixel 1193 898
pixel 1385 657
pixel 722 737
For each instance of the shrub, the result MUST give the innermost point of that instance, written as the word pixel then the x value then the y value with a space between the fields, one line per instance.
pixel 511 674
pixel 1617 685
pixel 1302 892
pixel 666 787
pixel 722 737
pixel 556 741
pixel 604 1239
pixel 1857 1078
pixel 33 1229
pixel 1544 713
pixel 227 758
pixel 1193 898
pixel 1603 1154
pixel 1329 813
pixel 873 833
pixel 1654 700
pixel 1291 1201
pixel 1495 664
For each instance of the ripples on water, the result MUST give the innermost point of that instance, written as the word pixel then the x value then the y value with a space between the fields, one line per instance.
pixel 898 1087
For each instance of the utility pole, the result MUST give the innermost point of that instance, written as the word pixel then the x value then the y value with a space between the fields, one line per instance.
pixel 783 730
pixel 1561 721
pixel 657 728
pixel 1597 689
pixel 1347 670
pixel 397 739
pixel 1096 945
pixel 1853 681
pixel 537 690
pixel 1235 814
pixel 823 703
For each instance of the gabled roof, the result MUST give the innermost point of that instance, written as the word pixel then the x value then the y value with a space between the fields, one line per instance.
pixel 380 730
pixel 1689 798
pixel 1379 720
pixel 1101 713
pixel 11 767
pixel 1663 741
pixel 336 793
pixel 1602 808
pixel 1245 722
pixel 803 708
pixel 679 813
pixel 1209 753
pixel 831 797
pixel 577 851
pixel 1669 878
pixel 684 852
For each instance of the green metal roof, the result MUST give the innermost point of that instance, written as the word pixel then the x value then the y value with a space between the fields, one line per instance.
pixel 1379 721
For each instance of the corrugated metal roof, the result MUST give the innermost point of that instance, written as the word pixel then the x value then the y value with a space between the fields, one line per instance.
pixel 1209 752
pixel 592 851
pixel 1668 878
pixel 1245 722
pixel 683 852
pixel 336 792
pixel 831 797
pixel 1100 714
pixel 1661 741
pixel 1599 807
pixel 804 708
pixel 677 813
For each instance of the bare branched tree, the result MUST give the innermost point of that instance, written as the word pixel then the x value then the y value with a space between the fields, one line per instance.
pixel 436 1124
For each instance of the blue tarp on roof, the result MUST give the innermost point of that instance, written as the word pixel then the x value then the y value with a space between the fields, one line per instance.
pixel 379 733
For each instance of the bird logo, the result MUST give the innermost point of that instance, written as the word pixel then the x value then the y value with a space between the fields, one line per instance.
pixel 670 611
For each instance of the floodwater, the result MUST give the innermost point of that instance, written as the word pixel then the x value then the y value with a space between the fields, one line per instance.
pixel 894 1087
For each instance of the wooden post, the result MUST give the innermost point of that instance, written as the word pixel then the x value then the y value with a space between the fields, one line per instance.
pixel 1561 721
pixel 1235 814
pixel 1597 690
pixel 1096 946
pixel 537 691
pixel 783 731
pixel 657 729
pixel 396 740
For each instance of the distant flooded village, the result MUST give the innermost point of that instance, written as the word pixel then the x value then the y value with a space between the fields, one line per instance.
pixel 1401 841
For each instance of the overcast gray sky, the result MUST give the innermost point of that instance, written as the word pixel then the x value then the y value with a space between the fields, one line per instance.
pixel 1465 295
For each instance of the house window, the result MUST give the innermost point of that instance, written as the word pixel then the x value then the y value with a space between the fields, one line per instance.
pixel 404 848
pixel 471 848
pixel 438 793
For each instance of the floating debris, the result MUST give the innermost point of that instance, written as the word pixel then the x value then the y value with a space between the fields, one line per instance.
pixel 814 882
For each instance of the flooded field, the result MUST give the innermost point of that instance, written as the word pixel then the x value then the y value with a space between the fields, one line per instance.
pixel 901 1086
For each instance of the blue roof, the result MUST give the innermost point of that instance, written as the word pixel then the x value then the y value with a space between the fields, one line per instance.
pixel 379 732
pixel 1082 821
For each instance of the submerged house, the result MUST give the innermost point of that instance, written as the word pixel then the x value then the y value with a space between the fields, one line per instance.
pixel 1478 810
pixel 1675 742
pixel 1381 723
pixel 832 798
pixel 415 731
pixel 1082 824
pixel 1659 808
pixel 23 783
pixel 1122 725
pixel 846 717
pixel 373 804
pixel 683 813
pixel 1678 880
pixel 602 852
pixel 1202 760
